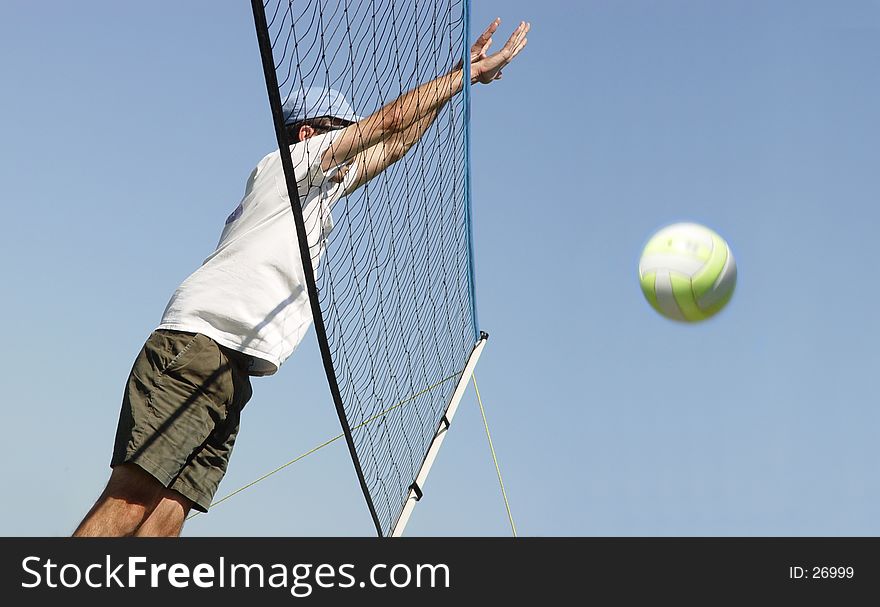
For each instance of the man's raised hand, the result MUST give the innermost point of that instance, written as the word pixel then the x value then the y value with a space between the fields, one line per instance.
pixel 485 69
pixel 481 45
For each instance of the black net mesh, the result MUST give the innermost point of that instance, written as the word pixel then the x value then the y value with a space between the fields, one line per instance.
pixel 394 286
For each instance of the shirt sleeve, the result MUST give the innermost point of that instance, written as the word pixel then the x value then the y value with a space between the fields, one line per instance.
pixel 313 152
pixel 311 178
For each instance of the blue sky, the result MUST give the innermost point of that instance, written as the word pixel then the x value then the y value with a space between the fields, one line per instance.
pixel 129 130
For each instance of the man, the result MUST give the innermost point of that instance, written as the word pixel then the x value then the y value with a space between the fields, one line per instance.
pixel 244 311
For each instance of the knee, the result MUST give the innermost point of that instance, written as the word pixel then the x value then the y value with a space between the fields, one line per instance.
pixel 131 485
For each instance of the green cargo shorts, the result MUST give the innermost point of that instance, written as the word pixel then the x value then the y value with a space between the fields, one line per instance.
pixel 181 412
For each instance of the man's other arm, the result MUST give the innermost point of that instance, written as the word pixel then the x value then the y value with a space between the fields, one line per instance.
pixel 376 159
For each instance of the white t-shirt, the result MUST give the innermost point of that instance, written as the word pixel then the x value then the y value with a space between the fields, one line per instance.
pixel 250 295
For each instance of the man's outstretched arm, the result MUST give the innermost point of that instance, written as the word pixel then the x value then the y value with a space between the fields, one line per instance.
pixel 397 117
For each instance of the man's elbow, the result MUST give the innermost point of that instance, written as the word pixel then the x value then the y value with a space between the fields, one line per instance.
pixel 392 121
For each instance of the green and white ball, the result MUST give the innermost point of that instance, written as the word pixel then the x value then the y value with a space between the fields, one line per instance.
pixel 687 272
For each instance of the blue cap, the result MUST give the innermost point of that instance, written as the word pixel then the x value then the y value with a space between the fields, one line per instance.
pixel 315 102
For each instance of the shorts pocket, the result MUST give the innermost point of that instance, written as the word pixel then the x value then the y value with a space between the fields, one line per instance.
pixel 171 350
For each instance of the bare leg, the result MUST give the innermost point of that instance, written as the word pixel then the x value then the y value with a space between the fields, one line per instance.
pixel 166 519
pixel 130 497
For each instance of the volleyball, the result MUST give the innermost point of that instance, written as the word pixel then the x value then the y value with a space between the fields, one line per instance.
pixel 687 272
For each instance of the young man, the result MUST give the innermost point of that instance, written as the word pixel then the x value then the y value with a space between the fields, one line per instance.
pixel 244 311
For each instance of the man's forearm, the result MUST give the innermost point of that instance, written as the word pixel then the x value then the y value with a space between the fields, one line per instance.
pixel 400 142
pixel 403 141
pixel 393 119
pixel 423 103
